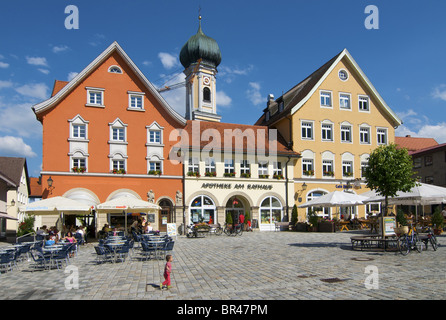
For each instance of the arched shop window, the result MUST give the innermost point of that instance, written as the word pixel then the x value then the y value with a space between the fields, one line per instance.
pixel 202 209
pixel 270 212
pixel 321 211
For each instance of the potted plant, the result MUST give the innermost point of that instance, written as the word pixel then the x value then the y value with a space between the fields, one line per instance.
pixel 326 226
pixel 278 176
pixel 263 176
pixel 118 171
pixel 328 174
pixel 210 174
pixel 313 219
pixel 245 175
pixel 437 221
pixel 78 169
pixel 155 172
pixel 401 220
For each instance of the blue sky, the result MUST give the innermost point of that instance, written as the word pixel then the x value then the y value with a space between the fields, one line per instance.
pixel 267 47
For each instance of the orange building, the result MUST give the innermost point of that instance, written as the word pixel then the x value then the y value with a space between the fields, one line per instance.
pixel 105 134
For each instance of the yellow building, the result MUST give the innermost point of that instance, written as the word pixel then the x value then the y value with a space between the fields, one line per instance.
pixel 334 118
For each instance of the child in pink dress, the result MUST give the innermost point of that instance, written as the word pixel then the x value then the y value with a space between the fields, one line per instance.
pixel 167 271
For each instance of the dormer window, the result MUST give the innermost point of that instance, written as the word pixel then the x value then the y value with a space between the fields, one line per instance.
pixel 115 69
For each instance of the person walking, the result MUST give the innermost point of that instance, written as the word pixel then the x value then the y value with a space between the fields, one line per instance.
pixel 167 271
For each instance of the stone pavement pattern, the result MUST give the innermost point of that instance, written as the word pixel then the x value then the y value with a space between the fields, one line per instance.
pixel 257 265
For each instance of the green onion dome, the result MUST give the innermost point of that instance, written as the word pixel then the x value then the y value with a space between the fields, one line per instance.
pixel 200 46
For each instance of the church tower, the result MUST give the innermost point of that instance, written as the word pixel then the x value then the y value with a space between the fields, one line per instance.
pixel 200 57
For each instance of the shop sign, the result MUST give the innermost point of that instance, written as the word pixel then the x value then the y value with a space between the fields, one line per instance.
pixel 237 186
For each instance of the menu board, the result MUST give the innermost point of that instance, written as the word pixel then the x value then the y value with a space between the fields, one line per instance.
pixel 171 229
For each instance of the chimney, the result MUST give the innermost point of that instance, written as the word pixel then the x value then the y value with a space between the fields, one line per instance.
pixel 270 99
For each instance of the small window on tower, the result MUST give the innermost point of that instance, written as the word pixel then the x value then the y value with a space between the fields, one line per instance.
pixel 207 94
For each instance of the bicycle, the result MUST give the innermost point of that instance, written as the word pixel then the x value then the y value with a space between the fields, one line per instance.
pixel 233 230
pixel 410 241
pixel 431 238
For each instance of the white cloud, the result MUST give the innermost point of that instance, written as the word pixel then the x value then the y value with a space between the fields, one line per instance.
pixel 147 63
pixel 253 93
pixel 61 48
pixel 228 74
pixel 5 84
pixel 223 100
pixel 44 71
pixel 440 92
pixel 13 146
pixel 168 60
pixel 19 120
pixel 37 61
pixel 4 65
pixel 176 98
pixel 71 75
pixel 438 132
pixel 36 90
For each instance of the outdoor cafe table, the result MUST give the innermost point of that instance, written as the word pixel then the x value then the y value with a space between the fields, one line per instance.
pixel 114 246
pixel 344 225
pixel 157 245
pixel 52 250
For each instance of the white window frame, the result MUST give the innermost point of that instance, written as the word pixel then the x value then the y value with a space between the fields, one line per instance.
pixel 323 95
pixel 155 136
pixel 118 162
pixel 361 135
pixel 307 125
pixel 263 168
pixel 95 91
pixel 156 165
pixel 193 165
pixel 245 166
pixel 277 168
pixel 119 70
pixel 136 95
pixel 361 100
pixel 209 165
pixel 350 133
pixel 347 164
pixel 307 165
pixel 381 132
pixel 345 97
pixel 327 166
pixel 327 129
pixel 229 166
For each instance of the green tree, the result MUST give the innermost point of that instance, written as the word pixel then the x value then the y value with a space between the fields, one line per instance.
pixel 389 170
pixel 27 226
pixel 294 217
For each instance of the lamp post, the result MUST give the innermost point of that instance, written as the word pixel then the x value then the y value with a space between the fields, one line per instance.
pixel 50 185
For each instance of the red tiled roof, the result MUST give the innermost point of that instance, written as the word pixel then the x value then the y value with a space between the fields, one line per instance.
pixel 414 144
pixel 260 143
pixel 58 85
pixel 427 150
pixel 36 188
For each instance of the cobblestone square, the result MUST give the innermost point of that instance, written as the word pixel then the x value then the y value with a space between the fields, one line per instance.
pixel 254 266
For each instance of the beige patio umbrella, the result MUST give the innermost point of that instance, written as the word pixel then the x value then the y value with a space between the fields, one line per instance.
pixel 55 206
pixel 126 205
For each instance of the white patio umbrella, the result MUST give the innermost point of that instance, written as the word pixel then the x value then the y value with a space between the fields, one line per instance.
pixel 126 205
pixel 335 199
pixel 422 194
pixel 55 206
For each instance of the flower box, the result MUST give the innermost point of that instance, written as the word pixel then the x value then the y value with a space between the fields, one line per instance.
pixel 78 169
pixel 326 226
pixel 193 174
pixel 328 174
pixel 263 176
pixel 210 174
pixel 308 172
pixel 278 176
pixel 229 174
pixel 347 174
pixel 154 172
pixel 245 175
pixel 118 171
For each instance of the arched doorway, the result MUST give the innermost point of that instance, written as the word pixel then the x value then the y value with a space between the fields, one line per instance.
pixel 270 213
pixel 165 215
pixel 234 209
pixel 202 209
